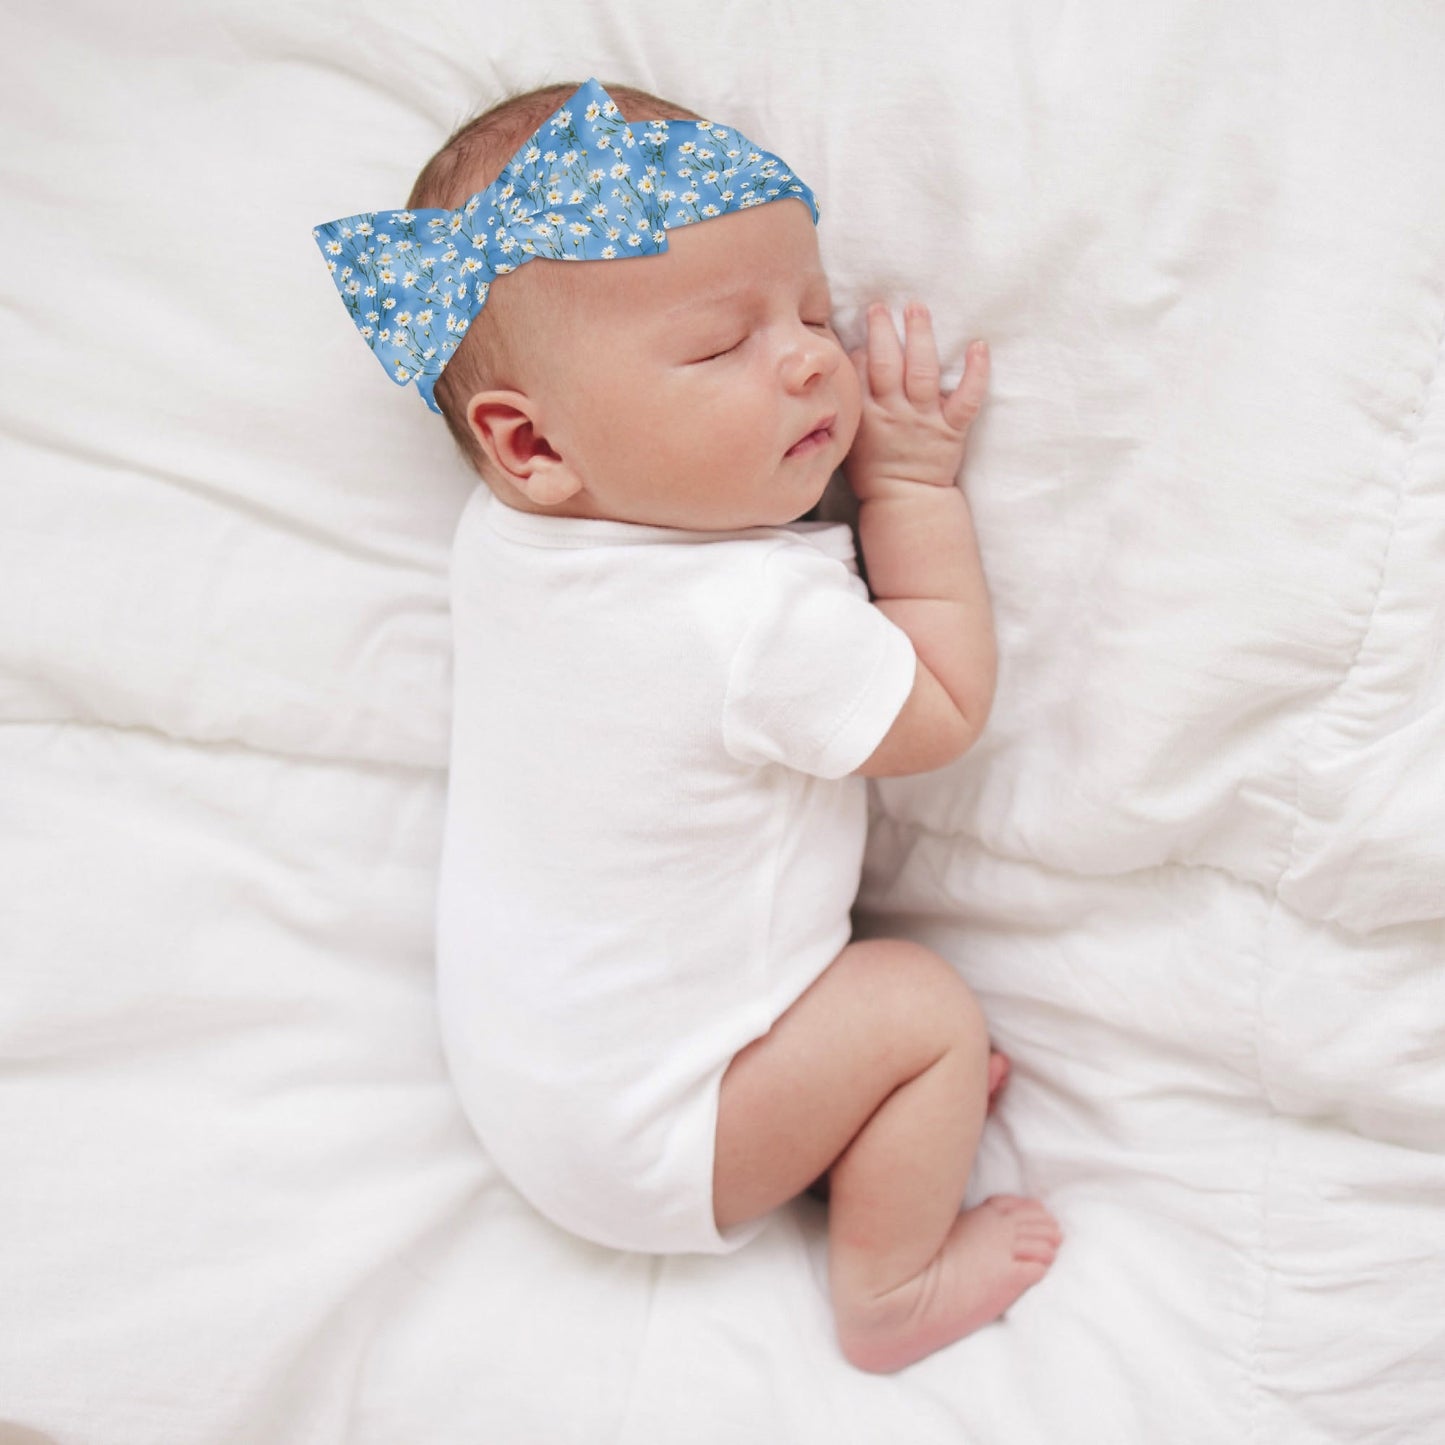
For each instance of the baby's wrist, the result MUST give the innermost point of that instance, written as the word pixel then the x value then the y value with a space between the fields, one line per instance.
pixel 898 486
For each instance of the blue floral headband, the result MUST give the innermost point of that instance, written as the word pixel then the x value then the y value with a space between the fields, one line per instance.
pixel 416 280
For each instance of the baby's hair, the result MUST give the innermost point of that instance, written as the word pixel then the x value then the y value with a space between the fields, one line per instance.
pixel 470 160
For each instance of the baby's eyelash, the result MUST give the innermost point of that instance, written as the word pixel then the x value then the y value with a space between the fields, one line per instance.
pixel 727 350
pixel 713 356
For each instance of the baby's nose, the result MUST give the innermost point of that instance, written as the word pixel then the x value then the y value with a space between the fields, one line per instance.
pixel 813 353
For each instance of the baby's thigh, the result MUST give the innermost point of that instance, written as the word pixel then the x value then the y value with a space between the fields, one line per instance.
pixel 792 1101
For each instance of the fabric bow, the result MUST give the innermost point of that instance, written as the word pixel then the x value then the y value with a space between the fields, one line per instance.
pixel 586 186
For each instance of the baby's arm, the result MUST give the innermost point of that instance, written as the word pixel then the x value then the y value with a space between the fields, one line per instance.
pixel 917 537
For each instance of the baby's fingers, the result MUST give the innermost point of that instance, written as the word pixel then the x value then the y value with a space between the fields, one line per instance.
pixel 885 355
pixel 962 404
pixel 920 362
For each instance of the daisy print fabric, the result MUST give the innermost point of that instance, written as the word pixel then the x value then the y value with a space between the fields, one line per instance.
pixel 586 186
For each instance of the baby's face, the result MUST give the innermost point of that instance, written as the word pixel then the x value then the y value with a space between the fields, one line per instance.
pixel 686 383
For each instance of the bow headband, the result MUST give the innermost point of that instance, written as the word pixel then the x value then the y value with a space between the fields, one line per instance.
pixel 584 187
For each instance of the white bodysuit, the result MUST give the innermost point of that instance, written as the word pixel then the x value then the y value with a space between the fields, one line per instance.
pixel 652 839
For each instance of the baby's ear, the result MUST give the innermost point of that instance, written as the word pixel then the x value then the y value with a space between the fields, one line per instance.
pixel 504 426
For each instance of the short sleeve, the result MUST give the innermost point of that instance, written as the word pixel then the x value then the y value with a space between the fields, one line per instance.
pixel 820 673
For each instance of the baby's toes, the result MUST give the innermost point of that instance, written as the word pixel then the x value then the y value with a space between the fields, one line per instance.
pixel 1036 1233
pixel 1038 1247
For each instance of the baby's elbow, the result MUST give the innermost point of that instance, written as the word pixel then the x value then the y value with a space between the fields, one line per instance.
pixel 925 746
pixel 962 733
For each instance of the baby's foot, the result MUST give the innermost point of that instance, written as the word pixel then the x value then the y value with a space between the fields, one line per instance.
pixel 998 1072
pixel 991 1255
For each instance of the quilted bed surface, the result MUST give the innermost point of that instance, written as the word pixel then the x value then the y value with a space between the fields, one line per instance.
pixel 1195 868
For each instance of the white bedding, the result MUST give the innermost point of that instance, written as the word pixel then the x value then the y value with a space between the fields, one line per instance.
pixel 1196 868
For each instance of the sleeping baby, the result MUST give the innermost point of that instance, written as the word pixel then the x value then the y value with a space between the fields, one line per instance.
pixel 668 694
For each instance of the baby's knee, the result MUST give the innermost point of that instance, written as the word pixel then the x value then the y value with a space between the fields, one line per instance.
pixel 929 991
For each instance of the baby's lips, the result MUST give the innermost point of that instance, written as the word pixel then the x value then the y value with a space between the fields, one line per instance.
pixel 822 424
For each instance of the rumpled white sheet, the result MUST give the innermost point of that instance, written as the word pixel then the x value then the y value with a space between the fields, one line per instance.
pixel 1196 868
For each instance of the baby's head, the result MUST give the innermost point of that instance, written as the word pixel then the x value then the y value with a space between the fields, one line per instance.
pixel 670 389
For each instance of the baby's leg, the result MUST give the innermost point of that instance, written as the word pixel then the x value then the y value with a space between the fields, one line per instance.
pixel 880 1070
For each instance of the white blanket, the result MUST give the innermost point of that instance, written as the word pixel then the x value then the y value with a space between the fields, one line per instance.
pixel 1195 869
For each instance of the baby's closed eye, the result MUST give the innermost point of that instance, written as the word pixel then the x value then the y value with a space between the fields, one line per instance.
pixel 712 355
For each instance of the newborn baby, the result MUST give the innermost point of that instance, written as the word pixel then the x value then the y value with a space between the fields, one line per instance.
pixel 668 693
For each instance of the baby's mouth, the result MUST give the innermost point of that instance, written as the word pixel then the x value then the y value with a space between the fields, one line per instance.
pixel 821 435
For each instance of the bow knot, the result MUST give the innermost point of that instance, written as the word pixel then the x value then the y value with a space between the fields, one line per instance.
pixel 413 281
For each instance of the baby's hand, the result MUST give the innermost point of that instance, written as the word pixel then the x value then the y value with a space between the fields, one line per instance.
pixel 909 434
